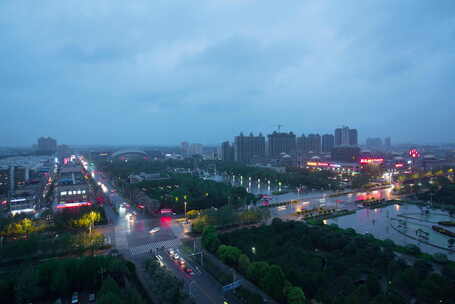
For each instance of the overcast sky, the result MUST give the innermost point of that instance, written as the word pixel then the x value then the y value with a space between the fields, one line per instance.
pixel 161 72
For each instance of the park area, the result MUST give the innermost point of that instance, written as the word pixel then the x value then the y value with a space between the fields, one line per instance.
pixel 332 265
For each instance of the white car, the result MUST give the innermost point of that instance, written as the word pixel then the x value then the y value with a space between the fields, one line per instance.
pixel 75 298
pixel 154 230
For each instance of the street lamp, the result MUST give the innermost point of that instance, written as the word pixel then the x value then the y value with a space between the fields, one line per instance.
pixel 185 212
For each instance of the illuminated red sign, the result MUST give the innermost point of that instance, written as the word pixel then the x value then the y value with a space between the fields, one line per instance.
pixel 72 205
pixel 370 161
pixel 317 164
pixel 398 166
pixel 165 211
pixel 414 153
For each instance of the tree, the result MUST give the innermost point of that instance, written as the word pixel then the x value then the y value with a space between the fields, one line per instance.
pixel 257 270
pixel 132 296
pixel 373 285
pixel 60 284
pixel 229 254
pixel 109 298
pixel 110 287
pixel 192 214
pixel 244 263
pixel 27 288
pixel 210 239
pixel 295 295
pixel 273 282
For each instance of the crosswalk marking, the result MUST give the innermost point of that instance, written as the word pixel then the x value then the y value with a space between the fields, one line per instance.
pixel 152 246
pixel 120 239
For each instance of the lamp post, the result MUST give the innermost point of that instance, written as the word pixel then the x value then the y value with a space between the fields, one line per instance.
pixel 185 212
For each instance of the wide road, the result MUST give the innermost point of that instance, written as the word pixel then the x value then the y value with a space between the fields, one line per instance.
pixel 132 238
pixel 315 199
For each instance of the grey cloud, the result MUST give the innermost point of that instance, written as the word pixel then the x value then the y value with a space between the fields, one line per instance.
pixel 161 72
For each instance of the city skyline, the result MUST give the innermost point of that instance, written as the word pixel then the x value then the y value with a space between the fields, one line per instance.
pixel 310 66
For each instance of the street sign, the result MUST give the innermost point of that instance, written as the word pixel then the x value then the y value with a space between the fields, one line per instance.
pixel 232 286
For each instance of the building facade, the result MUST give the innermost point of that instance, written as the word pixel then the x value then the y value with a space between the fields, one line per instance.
pixel 328 142
pixel 346 137
pixel 227 152
pixel 47 144
pixel 353 137
pixel 314 143
pixel 279 142
pixel 248 148
pixel 345 154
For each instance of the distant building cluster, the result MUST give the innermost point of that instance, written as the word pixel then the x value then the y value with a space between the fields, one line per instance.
pixel 22 182
pixel 191 149
pixel 286 146
pixel 47 145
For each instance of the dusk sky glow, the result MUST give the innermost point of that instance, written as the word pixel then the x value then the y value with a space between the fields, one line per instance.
pixel 161 72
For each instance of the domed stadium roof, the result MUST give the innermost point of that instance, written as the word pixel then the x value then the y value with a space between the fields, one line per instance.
pixel 128 151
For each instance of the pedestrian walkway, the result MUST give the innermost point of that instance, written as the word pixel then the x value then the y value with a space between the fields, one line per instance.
pixel 142 249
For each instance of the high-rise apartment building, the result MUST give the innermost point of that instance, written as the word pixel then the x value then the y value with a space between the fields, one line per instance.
pixel 328 141
pixel 185 147
pixel 196 149
pixel 248 148
pixel 346 137
pixel 314 143
pixel 47 144
pixel 353 137
pixel 227 151
pixel 302 144
pixel 388 143
pixel 279 142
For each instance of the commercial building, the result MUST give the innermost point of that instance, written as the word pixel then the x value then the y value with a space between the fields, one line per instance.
pixel 345 154
pixel 71 186
pixel 328 142
pixel 280 142
pixel 249 148
pixel 47 145
pixel 4 182
pixel 227 151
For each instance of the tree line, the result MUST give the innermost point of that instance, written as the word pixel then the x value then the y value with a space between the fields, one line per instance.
pixel 331 265
pixel 59 278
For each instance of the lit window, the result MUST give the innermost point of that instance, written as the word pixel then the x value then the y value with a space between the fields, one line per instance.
pixel 78 191
pixel 63 193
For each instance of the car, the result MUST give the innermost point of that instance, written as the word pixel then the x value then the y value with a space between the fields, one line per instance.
pixel 91 298
pixel 75 298
pixel 159 259
pixel 181 262
pixel 189 271
pixel 154 230
pixel 175 257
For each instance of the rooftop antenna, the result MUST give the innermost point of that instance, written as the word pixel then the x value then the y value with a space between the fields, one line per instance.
pixel 279 127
